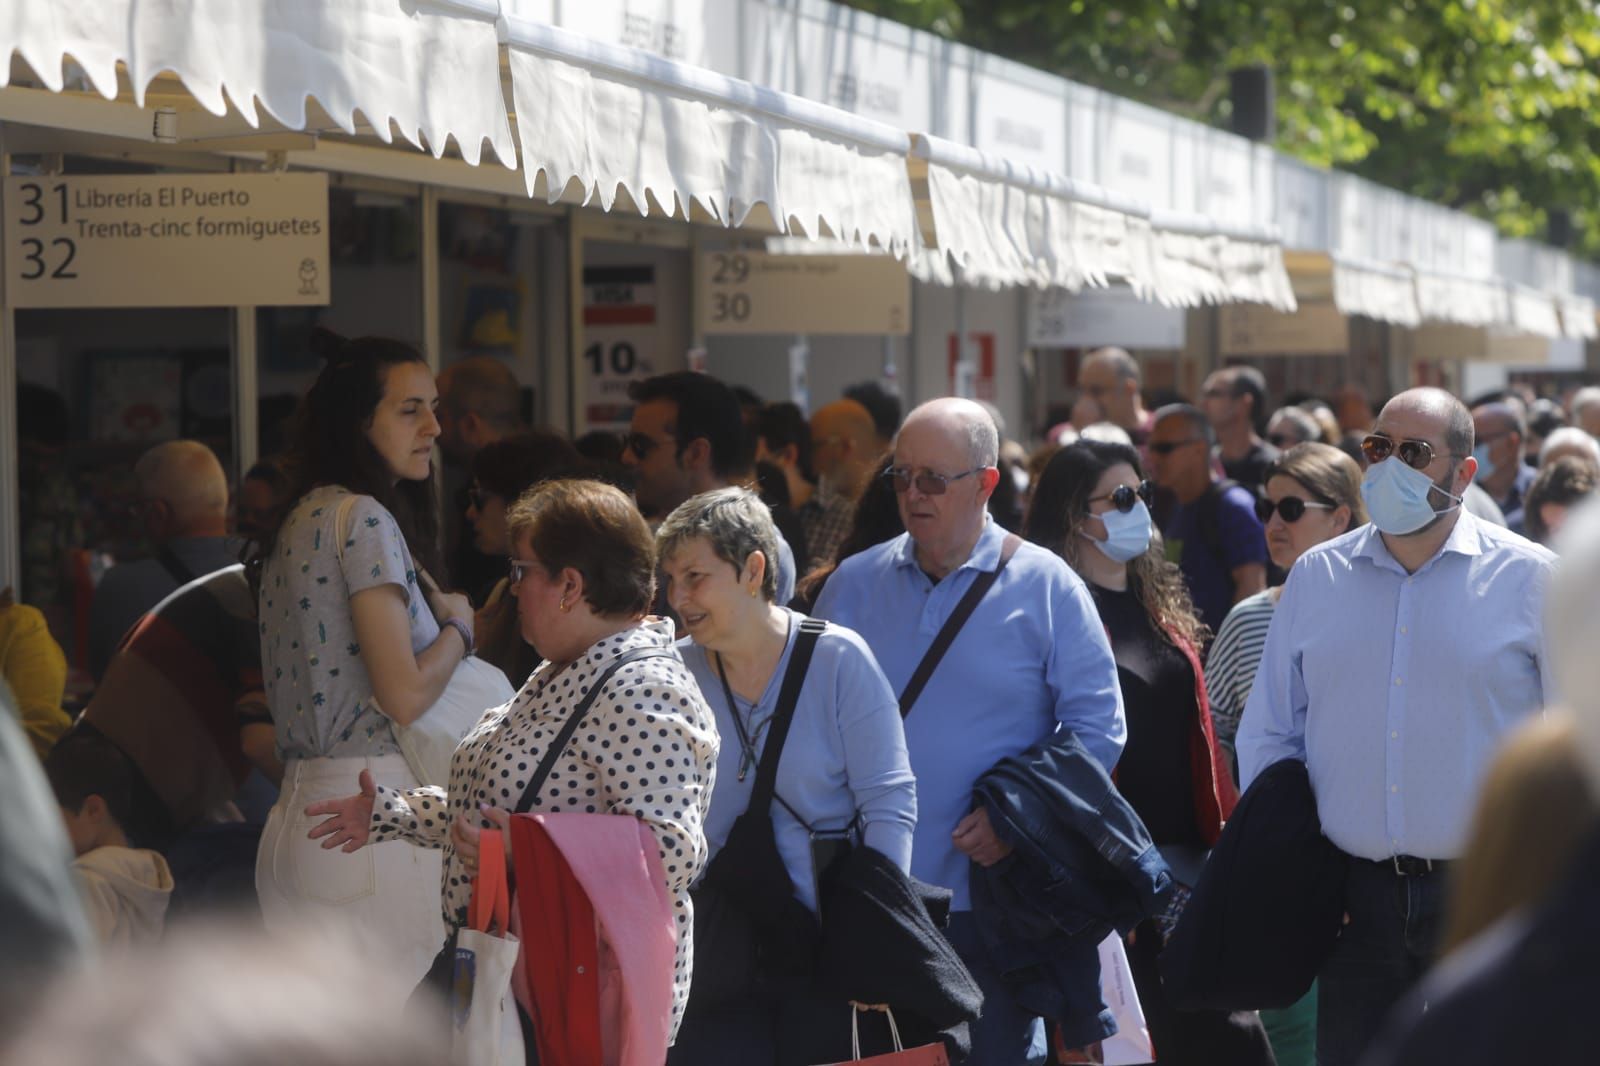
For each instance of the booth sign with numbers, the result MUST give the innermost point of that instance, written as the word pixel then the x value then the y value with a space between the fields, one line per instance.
pixel 757 292
pixel 167 240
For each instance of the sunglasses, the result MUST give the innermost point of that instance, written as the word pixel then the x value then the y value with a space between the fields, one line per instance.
pixel 1123 497
pixel 1416 454
pixel 1167 447
pixel 927 482
pixel 478 498
pixel 1291 508
pixel 1282 440
pixel 641 445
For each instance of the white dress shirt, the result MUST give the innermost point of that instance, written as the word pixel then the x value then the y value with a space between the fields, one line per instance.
pixel 1395 689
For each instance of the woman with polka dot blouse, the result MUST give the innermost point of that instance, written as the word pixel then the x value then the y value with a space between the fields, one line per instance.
pixel 351 623
pixel 844 771
pixel 583 575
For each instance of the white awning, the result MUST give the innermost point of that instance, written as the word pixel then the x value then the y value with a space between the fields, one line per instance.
pixel 1577 317
pixel 1198 260
pixel 1462 301
pixel 993 223
pixel 619 122
pixel 1381 291
pixel 430 68
pixel 1534 312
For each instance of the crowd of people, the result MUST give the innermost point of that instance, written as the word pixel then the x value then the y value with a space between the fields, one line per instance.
pixel 900 714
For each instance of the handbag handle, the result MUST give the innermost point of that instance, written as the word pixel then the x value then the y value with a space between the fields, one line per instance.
pixel 855 1030
pixel 490 906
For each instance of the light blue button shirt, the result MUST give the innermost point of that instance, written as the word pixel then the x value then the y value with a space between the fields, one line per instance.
pixel 1033 658
pixel 845 754
pixel 1396 688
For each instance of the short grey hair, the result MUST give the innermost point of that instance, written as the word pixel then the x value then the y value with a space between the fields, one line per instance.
pixel 1566 439
pixel 983 440
pixel 1584 397
pixel 734 522
pixel 1106 433
pixel 1305 427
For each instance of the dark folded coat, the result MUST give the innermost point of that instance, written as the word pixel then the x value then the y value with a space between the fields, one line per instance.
pixel 1266 909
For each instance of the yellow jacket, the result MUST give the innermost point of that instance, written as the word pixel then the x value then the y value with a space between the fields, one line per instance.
pixel 33 664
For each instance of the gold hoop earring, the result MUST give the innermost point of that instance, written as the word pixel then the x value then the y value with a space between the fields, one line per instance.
pixel 563 606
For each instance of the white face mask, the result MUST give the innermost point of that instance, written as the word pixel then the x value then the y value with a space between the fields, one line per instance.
pixel 1127 535
pixel 1396 496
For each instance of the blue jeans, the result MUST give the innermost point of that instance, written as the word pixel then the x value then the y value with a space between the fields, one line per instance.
pixel 1005 1034
pixel 1388 945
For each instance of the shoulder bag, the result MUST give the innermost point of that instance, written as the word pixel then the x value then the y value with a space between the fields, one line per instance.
pixel 952 625
pixel 430 742
pixel 748 925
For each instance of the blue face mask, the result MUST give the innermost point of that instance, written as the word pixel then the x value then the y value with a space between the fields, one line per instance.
pixel 1127 535
pixel 1397 497
pixel 1486 467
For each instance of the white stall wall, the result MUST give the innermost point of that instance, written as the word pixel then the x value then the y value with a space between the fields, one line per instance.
pixel 994 329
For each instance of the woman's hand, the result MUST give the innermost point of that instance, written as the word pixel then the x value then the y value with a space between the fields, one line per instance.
pixel 445 605
pixel 465 831
pixel 350 821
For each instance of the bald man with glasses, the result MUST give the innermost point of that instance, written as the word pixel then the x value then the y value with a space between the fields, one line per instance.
pixel 1400 654
pixel 1030 665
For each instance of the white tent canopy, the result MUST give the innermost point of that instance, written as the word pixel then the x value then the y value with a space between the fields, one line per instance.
pixel 1462 301
pixel 1383 291
pixel 1197 260
pixel 1577 317
pixel 1534 312
pixel 616 120
pixel 995 223
pixel 429 69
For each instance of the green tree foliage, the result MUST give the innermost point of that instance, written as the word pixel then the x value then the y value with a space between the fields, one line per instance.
pixel 1483 105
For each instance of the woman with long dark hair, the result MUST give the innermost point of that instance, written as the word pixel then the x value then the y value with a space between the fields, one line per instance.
pixel 352 621
pixel 1091 508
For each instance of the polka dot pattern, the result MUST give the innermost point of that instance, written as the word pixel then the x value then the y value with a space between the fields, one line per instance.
pixel 647 748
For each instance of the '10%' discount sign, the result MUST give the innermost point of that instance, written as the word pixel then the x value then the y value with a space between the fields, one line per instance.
pixel 167 240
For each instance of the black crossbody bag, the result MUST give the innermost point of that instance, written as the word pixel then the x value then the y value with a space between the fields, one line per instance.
pixel 952 625
pixel 748 925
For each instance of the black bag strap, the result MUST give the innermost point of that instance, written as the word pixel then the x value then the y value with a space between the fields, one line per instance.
pixel 952 626
pixel 563 738
pixel 805 642
pixel 175 566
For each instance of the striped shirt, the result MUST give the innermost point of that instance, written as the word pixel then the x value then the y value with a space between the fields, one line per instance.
pixel 1231 665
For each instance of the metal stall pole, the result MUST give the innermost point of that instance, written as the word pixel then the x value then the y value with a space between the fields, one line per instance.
pixel 10 454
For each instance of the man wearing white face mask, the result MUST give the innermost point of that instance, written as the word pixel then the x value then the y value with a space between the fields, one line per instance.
pixel 1500 429
pixel 1399 655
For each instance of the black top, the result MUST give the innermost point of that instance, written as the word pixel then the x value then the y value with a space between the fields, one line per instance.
pixel 1250 469
pixel 1158 694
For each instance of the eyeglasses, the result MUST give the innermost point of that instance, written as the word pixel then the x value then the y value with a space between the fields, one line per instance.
pixel 1123 497
pixel 642 445
pixel 478 498
pixel 1167 447
pixel 519 570
pixel 1291 508
pixel 927 482
pixel 1282 440
pixel 1417 454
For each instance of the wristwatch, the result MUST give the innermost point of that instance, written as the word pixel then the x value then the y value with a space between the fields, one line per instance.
pixel 466 633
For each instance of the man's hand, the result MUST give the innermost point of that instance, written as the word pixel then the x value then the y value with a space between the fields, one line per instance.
pixel 975 838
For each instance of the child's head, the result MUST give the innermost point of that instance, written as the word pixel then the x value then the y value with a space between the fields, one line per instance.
pixel 93 783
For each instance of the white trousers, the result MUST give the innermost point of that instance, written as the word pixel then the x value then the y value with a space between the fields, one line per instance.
pixel 382 900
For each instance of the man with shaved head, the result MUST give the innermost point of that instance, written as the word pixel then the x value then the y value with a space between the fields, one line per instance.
pixel 1399 656
pixel 183 502
pixel 844 448
pixel 1499 430
pixel 1030 669
pixel 1110 377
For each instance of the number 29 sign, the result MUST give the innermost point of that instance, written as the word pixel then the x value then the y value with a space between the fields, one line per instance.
pixel 166 240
